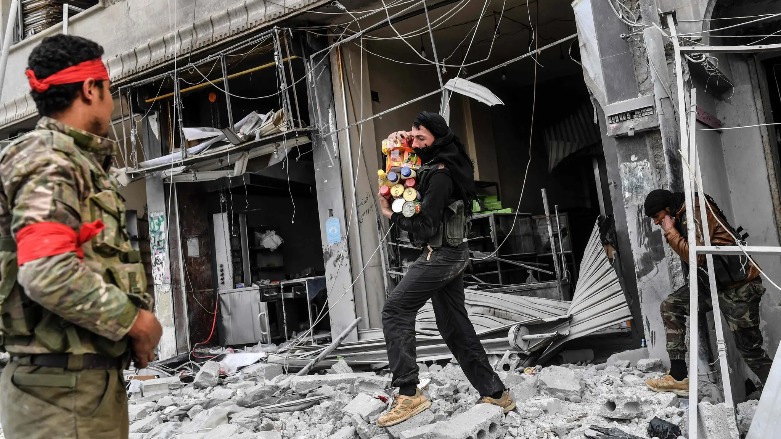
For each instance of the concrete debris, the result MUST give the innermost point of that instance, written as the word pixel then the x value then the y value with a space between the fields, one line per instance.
pixel 159 386
pixel 560 382
pixel 633 356
pixel 208 376
pixel 624 405
pixel 716 421
pixel 364 406
pixel 650 365
pixel 423 419
pixel 341 366
pixel 508 362
pixel 746 411
pixel 553 402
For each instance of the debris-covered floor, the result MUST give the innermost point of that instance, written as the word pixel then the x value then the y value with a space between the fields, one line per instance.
pixel 260 401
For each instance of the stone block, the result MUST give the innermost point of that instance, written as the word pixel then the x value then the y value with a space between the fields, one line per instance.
pixel 633 356
pixel 481 421
pixel 622 406
pixel 366 382
pixel 208 376
pixel 347 432
pixel 622 364
pixel 424 418
pixel 262 371
pixel 508 363
pixel 524 388
pixel 160 386
pixel 650 365
pixel 168 430
pixel 422 432
pixel 140 411
pixel 364 406
pixel 147 424
pixel 221 393
pixel 716 421
pixel 560 382
pixel 341 366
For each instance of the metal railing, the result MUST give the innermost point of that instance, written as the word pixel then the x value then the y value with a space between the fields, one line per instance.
pixel 692 176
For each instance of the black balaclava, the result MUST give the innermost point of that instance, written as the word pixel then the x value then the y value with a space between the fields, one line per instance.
pixel 660 199
pixel 448 149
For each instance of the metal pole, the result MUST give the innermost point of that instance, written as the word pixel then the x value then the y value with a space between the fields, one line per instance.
pixel 65 19
pixel 721 347
pixel 564 270
pixel 693 293
pixel 8 38
pixel 226 89
pixel 335 344
pixel 552 243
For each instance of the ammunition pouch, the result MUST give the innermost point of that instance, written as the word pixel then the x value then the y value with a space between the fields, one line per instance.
pixel 18 314
pixel 454 228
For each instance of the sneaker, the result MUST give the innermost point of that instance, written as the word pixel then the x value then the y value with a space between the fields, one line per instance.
pixel 669 384
pixel 404 407
pixel 505 402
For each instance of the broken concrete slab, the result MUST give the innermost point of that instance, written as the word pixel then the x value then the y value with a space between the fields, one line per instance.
pixel 168 430
pixel 716 421
pixel 745 414
pixel 222 393
pixel 422 432
pixel 160 386
pixel 208 376
pixel 622 364
pixel 633 356
pixel 268 435
pixel 140 411
pixel 623 405
pixel 347 432
pixel 560 382
pixel 365 406
pixel 509 362
pixel 650 365
pixel 483 421
pixel 424 418
pixel 366 382
pixel 340 366
pixel 262 371
pixel 147 424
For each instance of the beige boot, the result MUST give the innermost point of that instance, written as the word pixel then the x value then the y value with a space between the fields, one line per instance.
pixel 404 407
pixel 669 384
pixel 505 402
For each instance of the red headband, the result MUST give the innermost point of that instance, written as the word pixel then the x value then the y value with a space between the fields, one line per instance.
pixel 79 73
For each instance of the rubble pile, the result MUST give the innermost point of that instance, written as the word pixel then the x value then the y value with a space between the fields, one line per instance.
pixel 259 401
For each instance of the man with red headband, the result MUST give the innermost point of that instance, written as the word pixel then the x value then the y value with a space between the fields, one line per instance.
pixel 73 302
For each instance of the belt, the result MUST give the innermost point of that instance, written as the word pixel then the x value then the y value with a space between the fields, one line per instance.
pixel 71 362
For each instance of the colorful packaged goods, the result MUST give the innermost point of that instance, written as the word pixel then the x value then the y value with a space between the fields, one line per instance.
pixel 398 181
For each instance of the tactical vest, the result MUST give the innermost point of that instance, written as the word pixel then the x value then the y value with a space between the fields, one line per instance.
pixel 28 328
pixel 453 229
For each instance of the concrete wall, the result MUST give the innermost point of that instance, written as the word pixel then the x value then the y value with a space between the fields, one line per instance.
pixel 145 34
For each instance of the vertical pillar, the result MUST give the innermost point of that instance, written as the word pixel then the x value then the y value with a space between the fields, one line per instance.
pixel 330 194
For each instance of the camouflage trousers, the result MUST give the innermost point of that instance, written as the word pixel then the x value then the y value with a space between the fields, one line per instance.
pixel 740 307
pixel 46 402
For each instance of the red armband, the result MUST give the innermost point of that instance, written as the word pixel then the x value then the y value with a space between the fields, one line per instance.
pixel 42 240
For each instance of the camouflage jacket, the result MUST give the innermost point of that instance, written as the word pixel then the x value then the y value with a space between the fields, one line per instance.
pixel 47 177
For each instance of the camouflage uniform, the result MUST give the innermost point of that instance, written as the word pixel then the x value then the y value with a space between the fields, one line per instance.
pixel 61 304
pixel 739 287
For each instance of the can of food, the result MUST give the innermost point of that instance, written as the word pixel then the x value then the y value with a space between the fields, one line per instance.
pixel 398 205
pixel 410 194
pixel 407 172
pixel 410 182
pixel 393 177
pixel 397 190
pixel 410 208
pixel 385 191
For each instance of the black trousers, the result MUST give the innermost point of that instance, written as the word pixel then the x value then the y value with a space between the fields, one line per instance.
pixel 441 279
